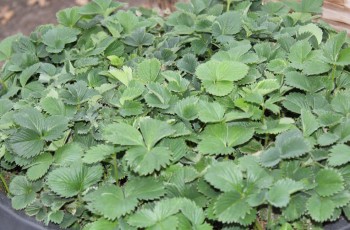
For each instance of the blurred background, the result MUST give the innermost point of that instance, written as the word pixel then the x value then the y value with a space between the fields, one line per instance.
pixel 24 15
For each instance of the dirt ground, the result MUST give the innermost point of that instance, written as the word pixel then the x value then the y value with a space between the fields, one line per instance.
pixel 23 16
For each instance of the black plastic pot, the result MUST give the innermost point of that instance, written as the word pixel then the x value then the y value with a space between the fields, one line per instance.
pixel 11 219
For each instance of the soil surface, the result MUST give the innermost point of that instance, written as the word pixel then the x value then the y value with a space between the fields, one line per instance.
pixel 22 16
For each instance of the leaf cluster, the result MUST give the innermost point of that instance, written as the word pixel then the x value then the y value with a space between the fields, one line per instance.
pixel 222 115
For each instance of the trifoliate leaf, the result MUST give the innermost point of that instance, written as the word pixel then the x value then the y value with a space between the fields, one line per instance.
pixel 68 182
pixel 328 182
pixel 340 155
pixel 218 77
pixel 145 161
pixel 24 192
pixel 77 93
pixel 279 193
pixel 122 134
pixel 319 208
pixel 110 202
pixel 56 38
pixel 154 130
pixel 39 167
pixel 225 176
pixel 220 138
pixel 139 38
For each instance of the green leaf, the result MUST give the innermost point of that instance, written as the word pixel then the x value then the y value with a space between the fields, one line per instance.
pixel 193 213
pixel 296 207
pixel 314 30
pixel 55 39
pixel 145 161
pixel 225 176
pixel 320 209
pixel 218 77
pixel 28 73
pixel 6 47
pixel 158 96
pixel 224 26
pixel 148 70
pixel 344 56
pixel 340 155
pixel 220 138
pixel 279 193
pixel 68 182
pixel 26 143
pixel 139 38
pixel 124 75
pixel 110 202
pixel 68 17
pixel 267 86
pixel 68 154
pixel 101 224
pixel 77 93
pixel 309 122
pixel 231 207
pixel 122 134
pixel 328 182
pixel 187 108
pixel 145 188
pixel 288 145
pixel 160 217
pixel 333 46
pixel 24 192
pixel 210 111
pixel 39 167
pixel 98 153
pixel 299 53
pixel 154 130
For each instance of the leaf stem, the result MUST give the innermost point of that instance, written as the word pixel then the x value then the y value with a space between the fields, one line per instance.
pixel 228 5
pixel 258 225
pixel 115 168
pixel 269 214
pixel 4 183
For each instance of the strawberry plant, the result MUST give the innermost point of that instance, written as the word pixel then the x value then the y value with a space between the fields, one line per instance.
pixel 223 115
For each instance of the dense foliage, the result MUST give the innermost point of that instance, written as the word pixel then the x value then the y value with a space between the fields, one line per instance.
pixel 223 115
